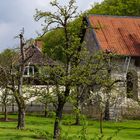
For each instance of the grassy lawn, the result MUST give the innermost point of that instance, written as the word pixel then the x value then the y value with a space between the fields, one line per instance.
pixel 42 128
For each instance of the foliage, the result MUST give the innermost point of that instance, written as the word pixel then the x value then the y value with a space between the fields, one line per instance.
pixel 7 55
pixel 12 66
pixel 54 41
pixel 7 59
pixel 5 96
pixel 117 7
pixel 62 74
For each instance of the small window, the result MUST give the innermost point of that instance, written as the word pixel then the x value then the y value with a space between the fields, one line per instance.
pixel 132 85
pixel 29 71
pixel 137 62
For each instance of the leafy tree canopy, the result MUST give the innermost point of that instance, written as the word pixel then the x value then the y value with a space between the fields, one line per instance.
pixel 55 39
pixel 117 7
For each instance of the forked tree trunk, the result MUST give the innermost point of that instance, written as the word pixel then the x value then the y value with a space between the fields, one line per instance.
pixel 58 118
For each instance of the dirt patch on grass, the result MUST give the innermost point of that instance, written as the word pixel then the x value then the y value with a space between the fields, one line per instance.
pixel 8 120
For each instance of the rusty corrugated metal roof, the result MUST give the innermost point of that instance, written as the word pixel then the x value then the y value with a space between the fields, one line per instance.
pixel 120 35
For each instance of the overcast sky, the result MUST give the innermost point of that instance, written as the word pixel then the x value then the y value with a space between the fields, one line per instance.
pixel 16 14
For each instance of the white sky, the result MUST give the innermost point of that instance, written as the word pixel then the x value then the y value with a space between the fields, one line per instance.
pixel 16 14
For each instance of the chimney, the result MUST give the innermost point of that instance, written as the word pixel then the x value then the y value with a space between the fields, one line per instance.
pixel 39 44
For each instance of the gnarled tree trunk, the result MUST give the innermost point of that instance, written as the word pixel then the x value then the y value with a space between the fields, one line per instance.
pixel 21 112
pixel 21 118
pixel 19 97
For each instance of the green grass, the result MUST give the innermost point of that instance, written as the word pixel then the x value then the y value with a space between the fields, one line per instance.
pixel 42 128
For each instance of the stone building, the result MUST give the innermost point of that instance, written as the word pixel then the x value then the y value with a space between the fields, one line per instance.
pixel 120 36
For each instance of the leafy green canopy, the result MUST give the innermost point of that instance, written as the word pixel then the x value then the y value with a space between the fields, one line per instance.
pixel 117 7
pixel 55 40
pixel 7 57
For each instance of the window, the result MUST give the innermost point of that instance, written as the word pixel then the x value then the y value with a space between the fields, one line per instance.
pixel 132 85
pixel 137 62
pixel 29 71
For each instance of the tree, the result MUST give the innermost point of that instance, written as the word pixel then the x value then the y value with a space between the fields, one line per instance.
pixel 45 96
pixel 79 98
pixel 19 92
pixel 6 99
pixel 117 7
pixel 6 60
pixel 12 65
pixel 67 72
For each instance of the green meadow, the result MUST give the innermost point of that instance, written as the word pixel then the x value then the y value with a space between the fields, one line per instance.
pixel 41 128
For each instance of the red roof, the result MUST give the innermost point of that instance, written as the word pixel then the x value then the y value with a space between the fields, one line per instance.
pixel 120 35
pixel 39 44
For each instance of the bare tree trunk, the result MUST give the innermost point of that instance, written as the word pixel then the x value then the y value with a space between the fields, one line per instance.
pixel 78 111
pixel 101 122
pixel 2 109
pixel 59 111
pixel 58 118
pixel 78 104
pixel 106 112
pixel 5 102
pixel 21 118
pixel 5 112
pixel 21 109
pixel 77 120
pixel 46 110
pixel 20 100
pixel 13 108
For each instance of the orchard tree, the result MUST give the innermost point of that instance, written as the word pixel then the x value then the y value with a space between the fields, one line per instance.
pixel 66 73
pixel 45 96
pixel 6 59
pixel 5 99
pixel 12 65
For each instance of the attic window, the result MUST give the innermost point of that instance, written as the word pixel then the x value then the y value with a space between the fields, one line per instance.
pixel 132 85
pixel 29 71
